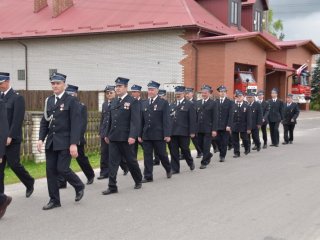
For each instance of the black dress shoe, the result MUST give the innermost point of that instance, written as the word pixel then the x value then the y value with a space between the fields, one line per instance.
pixel 203 166
pixel 125 172
pixel 51 205
pixel 29 191
pixel 169 174
pixel 3 207
pixel 285 143
pixel 102 177
pixel 258 149
pixel 236 156
pixel 138 186
pixel 192 167
pixel 175 172
pixel 277 145
pixel 247 152
pixel 255 148
pixel 290 142
pixel 199 155
pixel 145 180
pixel 79 195
pixel 109 191
pixel 90 181
pixel 222 159
pixel 272 145
pixel 265 146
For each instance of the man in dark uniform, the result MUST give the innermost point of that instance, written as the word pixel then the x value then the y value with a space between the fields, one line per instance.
pixel 82 159
pixel 225 118
pixel 183 118
pixel 256 116
pixel 275 117
pixel 207 123
pixel 4 131
pixel 60 126
pixel 242 124
pixel 104 122
pixel 291 113
pixel 15 106
pixel 190 96
pixel 122 131
pixel 136 93
pixel 155 131
pixel 265 117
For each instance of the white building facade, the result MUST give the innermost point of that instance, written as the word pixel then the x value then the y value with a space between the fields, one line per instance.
pixel 93 61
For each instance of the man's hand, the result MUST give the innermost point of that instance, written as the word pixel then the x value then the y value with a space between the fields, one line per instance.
pixel 9 140
pixel 192 135
pixel 263 120
pixel 73 150
pixel 0 160
pixel 249 131
pixel 214 133
pixel 140 140
pixel 292 120
pixel 39 146
pixel 167 139
pixel 228 129
pixel 131 141
pixel 258 126
pixel 106 140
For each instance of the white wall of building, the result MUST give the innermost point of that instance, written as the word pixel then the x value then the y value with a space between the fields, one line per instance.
pixel 95 61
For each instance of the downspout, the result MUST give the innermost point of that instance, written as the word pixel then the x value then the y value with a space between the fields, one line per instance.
pixel 195 66
pixel 26 61
pixel 196 61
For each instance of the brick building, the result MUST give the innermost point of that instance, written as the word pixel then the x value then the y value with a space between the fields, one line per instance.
pixel 188 42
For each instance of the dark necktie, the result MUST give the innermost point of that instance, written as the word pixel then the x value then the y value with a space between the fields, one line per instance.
pixel 221 101
pixel 178 103
pixel 2 95
pixel 239 104
pixel 151 101
pixel 119 100
pixel 57 100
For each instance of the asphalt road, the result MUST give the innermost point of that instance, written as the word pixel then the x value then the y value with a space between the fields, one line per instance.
pixel 271 195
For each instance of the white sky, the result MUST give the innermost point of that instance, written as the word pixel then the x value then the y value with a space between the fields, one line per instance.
pixel 301 18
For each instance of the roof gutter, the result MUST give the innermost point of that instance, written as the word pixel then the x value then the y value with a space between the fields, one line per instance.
pixel 25 61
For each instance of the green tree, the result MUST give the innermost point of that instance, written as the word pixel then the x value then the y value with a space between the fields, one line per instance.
pixel 315 86
pixel 275 27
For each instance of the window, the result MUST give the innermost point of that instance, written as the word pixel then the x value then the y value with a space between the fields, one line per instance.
pixel 51 71
pixel 257 21
pixel 21 75
pixel 234 13
pixel 247 77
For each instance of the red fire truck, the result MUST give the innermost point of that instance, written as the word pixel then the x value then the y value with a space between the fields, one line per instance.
pixel 301 88
pixel 245 82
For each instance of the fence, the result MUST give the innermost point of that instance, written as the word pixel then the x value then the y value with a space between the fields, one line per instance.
pixel 35 103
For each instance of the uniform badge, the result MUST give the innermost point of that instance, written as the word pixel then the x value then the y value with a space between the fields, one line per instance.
pixel 126 105
pixel 155 107
pixel 62 107
pixel 182 107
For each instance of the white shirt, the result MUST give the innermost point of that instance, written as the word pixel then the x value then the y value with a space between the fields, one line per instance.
pixel 222 100
pixel 240 103
pixel 58 96
pixel 180 101
pixel 123 97
pixel 5 93
pixel 274 99
pixel 204 100
pixel 153 99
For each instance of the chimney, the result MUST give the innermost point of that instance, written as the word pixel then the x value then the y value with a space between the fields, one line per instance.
pixel 39 5
pixel 59 6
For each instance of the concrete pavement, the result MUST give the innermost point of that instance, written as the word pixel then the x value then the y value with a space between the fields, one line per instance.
pixel 271 195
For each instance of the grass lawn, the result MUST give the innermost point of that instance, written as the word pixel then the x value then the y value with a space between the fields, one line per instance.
pixel 38 170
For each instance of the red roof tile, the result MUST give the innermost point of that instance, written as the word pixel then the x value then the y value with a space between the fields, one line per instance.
pixel 98 16
pixel 239 36
pixel 278 66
